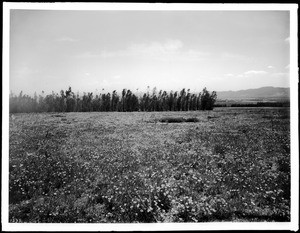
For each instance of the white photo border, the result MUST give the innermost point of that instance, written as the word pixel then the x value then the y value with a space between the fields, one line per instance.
pixel 292 225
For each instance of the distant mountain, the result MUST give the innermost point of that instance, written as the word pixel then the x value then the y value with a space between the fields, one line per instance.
pixel 258 93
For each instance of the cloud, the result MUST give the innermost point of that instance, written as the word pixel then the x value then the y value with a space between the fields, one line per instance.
pixel 25 70
pixel 66 39
pixel 170 50
pixel 117 77
pixel 270 67
pixel 156 49
pixel 287 67
pixel 254 72
pixel 287 40
pixel 246 74
pixel 249 73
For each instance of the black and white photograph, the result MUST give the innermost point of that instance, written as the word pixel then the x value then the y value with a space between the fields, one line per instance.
pixel 143 116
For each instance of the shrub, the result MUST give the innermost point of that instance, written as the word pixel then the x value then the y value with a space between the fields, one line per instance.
pixel 192 119
pixel 178 119
pixel 172 119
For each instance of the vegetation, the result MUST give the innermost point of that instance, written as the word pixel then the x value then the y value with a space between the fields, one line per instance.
pixel 67 101
pixel 257 104
pixel 178 119
pixel 121 167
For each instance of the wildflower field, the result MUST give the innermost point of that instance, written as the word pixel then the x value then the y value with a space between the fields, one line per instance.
pixel 232 164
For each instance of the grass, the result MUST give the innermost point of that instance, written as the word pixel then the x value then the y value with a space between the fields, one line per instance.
pixel 127 167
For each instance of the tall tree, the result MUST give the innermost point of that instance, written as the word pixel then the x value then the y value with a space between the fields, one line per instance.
pixel 207 99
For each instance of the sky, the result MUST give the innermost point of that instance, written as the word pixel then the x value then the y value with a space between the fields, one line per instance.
pixel 102 51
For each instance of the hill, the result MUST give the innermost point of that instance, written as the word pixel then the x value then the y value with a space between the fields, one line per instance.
pixel 275 93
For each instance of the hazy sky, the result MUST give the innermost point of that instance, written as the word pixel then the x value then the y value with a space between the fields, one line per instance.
pixel 170 50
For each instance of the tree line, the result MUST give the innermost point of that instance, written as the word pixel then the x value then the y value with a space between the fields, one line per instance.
pixel 258 104
pixel 127 101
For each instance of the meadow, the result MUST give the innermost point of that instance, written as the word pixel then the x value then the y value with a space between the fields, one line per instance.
pixel 232 164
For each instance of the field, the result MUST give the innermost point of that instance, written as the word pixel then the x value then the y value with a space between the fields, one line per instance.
pixel 231 165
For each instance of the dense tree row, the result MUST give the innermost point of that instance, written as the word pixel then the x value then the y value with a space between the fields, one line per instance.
pixel 67 101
